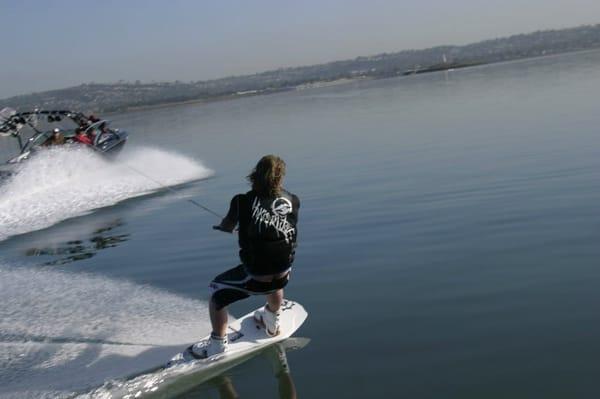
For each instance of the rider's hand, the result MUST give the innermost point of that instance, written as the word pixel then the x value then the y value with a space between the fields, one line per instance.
pixel 220 228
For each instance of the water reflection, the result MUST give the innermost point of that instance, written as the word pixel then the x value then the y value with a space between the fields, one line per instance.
pixel 281 371
pixel 277 357
pixel 76 250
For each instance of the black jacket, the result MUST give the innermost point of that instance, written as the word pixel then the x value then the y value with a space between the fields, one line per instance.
pixel 267 230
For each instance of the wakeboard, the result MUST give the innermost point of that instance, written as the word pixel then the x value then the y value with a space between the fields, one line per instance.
pixel 247 338
pixel 247 335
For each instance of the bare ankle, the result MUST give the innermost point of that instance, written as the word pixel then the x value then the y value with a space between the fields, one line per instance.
pixel 270 308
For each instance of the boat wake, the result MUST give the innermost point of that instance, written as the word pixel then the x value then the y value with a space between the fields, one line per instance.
pixel 61 183
pixel 61 333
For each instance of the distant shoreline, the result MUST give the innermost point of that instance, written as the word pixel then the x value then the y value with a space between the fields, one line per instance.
pixel 338 82
pixel 125 96
pixel 233 97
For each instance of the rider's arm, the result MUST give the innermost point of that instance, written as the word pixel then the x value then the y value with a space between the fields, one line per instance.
pixel 231 219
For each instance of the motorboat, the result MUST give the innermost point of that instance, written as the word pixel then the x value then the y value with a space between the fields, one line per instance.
pixel 37 129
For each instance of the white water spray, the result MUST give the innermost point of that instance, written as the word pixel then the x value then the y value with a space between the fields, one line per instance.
pixel 61 183
pixel 62 332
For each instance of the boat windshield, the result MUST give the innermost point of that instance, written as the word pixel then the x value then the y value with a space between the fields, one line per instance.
pixel 100 132
pixel 37 141
pixel 98 127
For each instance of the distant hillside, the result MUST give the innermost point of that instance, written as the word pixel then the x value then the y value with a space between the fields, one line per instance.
pixel 98 97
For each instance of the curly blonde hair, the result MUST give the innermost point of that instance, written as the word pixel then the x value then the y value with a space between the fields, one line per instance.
pixel 267 177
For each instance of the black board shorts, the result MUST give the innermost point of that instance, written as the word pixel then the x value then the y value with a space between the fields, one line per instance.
pixel 237 284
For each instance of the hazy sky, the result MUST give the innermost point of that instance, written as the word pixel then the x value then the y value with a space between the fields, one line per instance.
pixel 50 44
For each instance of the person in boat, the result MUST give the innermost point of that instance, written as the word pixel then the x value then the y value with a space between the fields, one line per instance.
pixel 103 128
pixel 57 138
pixel 82 137
pixel 266 217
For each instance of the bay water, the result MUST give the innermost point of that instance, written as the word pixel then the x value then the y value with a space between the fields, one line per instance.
pixel 448 239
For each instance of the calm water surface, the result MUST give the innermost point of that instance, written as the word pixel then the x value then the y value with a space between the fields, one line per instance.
pixel 449 240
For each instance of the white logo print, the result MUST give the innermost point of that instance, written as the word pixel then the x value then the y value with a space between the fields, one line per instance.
pixel 281 206
pixel 276 218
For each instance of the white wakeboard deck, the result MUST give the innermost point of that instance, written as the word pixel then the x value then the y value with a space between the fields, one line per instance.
pixel 247 338
pixel 177 380
pixel 246 335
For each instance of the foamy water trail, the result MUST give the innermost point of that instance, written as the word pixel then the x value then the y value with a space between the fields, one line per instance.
pixel 62 183
pixel 62 332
